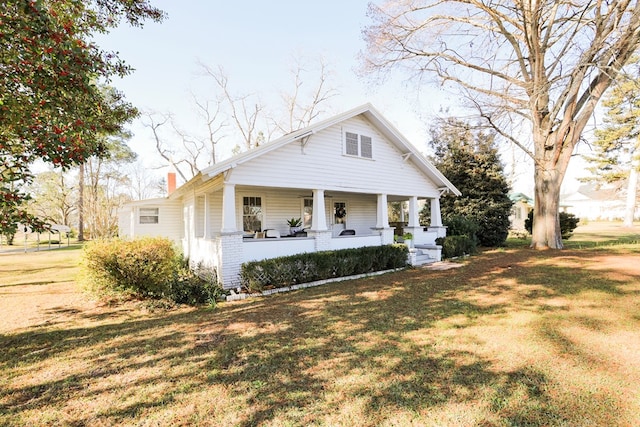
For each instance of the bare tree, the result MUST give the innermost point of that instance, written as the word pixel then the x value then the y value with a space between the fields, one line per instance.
pixel 301 110
pixel 210 111
pixel 244 110
pixel 143 184
pixel 542 64
pixel 177 160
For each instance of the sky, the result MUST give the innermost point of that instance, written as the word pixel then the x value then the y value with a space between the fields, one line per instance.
pixel 257 43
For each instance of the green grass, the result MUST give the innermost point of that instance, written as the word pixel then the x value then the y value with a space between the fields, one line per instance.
pixel 514 337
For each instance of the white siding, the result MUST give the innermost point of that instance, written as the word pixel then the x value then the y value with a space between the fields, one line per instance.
pixel 322 164
pixel 169 220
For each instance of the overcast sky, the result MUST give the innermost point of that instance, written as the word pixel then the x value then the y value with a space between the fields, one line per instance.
pixel 257 42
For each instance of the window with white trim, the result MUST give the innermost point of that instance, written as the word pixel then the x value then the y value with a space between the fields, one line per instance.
pixel 252 214
pixel 358 145
pixel 149 215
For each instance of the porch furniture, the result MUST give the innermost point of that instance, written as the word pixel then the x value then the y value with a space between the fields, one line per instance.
pixel 271 234
pixel 347 232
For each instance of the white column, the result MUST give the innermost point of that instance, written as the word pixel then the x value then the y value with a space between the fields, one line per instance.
pixel 436 217
pixel 207 214
pixel 319 219
pixel 414 219
pixel 229 208
pixel 382 220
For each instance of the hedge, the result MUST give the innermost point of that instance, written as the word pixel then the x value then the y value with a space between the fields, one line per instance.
pixel 455 246
pixel 145 268
pixel 309 267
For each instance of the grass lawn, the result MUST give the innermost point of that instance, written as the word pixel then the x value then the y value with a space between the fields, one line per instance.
pixel 514 337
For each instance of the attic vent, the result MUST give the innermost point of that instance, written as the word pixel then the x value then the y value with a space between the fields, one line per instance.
pixel 358 145
pixel 352 144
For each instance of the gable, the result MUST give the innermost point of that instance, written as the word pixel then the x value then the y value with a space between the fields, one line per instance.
pixel 327 160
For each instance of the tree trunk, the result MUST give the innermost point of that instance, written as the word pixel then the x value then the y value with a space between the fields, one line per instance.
pixel 632 191
pixel 81 203
pixel 546 222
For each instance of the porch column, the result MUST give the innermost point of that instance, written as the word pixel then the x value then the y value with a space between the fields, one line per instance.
pixel 414 220
pixel 319 231
pixel 207 214
pixel 319 219
pixel 382 217
pixel 229 208
pixel 436 217
pixel 382 220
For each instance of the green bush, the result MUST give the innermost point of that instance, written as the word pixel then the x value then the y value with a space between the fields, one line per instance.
pixel 309 267
pixel 147 268
pixel 458 225
pixel 568 223
pixel 455 246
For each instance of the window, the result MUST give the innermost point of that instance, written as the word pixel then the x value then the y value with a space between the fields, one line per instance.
pixel 352 144
pixel 358 145
pixel 252 214
pixel 307 213
pixel 149 215
pixel 365 147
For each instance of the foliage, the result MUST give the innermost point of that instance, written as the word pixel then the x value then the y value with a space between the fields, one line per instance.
pixel 54 197
pixel 309 267
pixel 104 186
pixel 568 223
pixel 147 268
pixel 533 67
pixel 294 222
pixel 470 160
pixel 616 150
pixel 456 246
pixel 407 236
pixel 52 107
pixel 458 225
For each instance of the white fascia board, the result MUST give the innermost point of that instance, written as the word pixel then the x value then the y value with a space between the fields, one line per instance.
pixel 405 146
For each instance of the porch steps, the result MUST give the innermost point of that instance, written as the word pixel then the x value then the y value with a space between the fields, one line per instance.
pixel 424 254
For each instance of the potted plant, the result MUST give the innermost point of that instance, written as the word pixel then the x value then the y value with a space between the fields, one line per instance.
pixel 294 225
pixel 408 239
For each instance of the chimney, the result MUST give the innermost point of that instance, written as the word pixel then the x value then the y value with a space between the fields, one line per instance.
pixel 171 182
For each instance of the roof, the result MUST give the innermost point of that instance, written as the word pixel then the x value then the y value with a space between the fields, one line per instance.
pixel 520 197
pixel 368 111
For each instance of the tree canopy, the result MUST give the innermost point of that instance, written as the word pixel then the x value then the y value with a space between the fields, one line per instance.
pixel 616 150
pixel 525 68
pixel 52 107
pixel 470 160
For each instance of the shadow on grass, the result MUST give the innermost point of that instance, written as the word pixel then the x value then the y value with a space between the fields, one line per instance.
pixel 371 345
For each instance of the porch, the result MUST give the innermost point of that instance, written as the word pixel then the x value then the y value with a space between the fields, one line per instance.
pixel 229 226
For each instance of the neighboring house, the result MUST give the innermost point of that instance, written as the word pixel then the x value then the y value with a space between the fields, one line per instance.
pixel 595 203
pixel 338 175
pixel 522 205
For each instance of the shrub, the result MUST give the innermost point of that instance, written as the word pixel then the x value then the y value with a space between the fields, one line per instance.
pixel 147 268
pixel 568 223
pixel 309 267
pixel 455 246
pixel 458 225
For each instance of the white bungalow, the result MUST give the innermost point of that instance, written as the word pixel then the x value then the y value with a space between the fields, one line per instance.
pixel 347 168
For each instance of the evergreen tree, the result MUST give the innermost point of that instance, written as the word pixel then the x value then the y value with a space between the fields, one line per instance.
pixel 616 156
pixel 470 160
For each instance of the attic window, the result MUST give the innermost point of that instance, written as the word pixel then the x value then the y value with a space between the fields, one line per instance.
pixel 358 145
